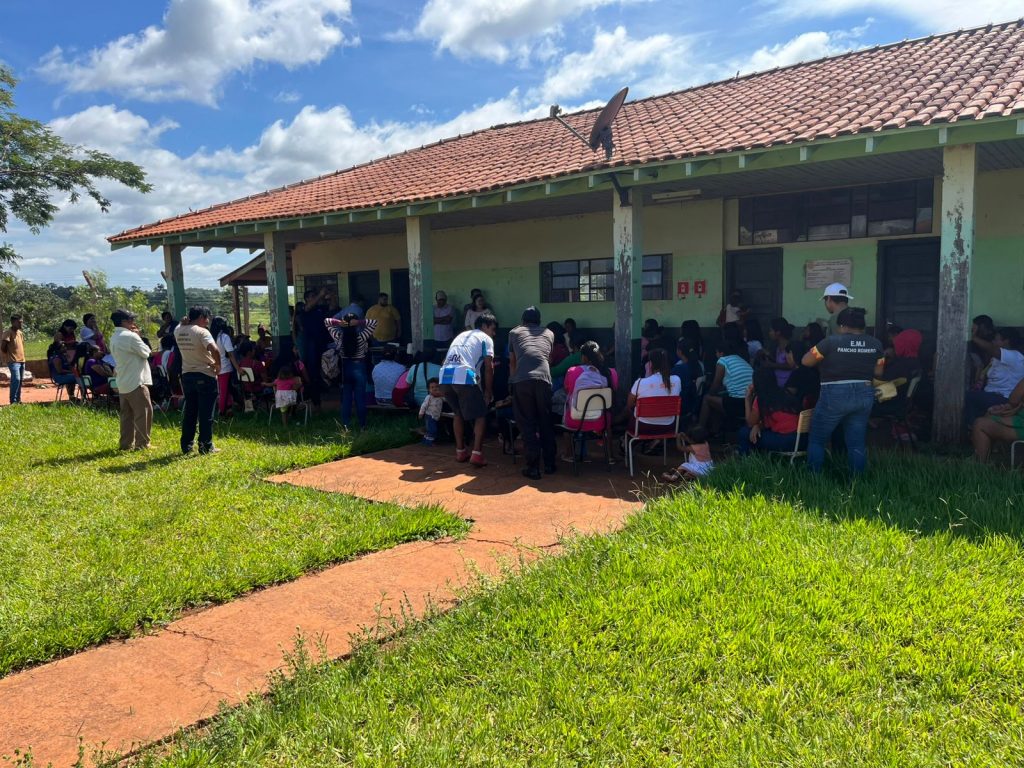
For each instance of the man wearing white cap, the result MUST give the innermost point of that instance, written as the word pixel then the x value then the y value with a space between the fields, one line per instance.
pixel 837 298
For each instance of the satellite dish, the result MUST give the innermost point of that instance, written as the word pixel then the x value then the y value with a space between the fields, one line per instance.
pixel 601 133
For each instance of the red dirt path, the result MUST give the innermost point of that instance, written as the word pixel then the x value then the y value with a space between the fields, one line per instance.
pixel 125 694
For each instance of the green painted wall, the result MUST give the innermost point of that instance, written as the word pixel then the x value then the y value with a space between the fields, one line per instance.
pixel 502 259
pixel 997 279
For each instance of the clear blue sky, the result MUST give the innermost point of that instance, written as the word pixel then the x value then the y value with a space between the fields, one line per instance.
pixel 221 98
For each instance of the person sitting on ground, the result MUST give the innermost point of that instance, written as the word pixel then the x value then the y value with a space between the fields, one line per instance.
pixel 753 338
pixel 660 383
pixel 352 339
pixel 727 393
pixel 430 411
pixel 782 359
pixel 60 371
pixel 983 327
pixel 772 416
pixel 698 462
pixel 97 370
pixel 385 376
pixel 476 309
pixel 1001 424
pixel 467 383
pixel 287 386
pixel 1005 371
pixel 591 373
pixel 689 370
pixel 848 362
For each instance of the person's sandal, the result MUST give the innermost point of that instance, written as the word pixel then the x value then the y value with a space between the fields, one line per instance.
pixel 462 456
pixel 477 459
pixel 671 476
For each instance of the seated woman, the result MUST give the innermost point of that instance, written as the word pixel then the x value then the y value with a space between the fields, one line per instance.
pixel 689 369
pixel 772 415
pixel 782 359
pixel 264 342
pixel 660 383
pixel 1002 424
pixel 728 389
pixel 60 369
pixel 1005 371
pixel 591 373
pixel 385 376
pixel 753 337
pixel 98 371
pixel 249 357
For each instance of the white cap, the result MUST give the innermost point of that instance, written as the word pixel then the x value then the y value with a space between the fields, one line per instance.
pixel 836 289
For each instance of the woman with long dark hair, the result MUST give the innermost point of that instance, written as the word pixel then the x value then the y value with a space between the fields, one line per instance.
pixel 592 373
pixel 848 361
pixel 352 340
pixel 660 383
pixel 772 415
pixel 690 332
pixel 221 332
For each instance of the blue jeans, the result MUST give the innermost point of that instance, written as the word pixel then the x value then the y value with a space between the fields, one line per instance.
pixel 200 404
pixel 846 405
pixel 353 387
pixel 430 427
pixel 17 374
pixel 67 380
pixel 768 441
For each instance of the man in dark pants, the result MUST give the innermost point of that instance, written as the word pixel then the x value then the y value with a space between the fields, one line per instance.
pixel 316 340
pixel 200 364
pixel 530 347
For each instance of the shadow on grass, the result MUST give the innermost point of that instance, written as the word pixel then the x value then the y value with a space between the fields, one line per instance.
pixel 138 466
pixel 78 458
pixel 922 494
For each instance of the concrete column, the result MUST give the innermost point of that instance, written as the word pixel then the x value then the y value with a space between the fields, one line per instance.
pixel 245 310
pixel 175 277
pixel 959 167
pixel 421 299
pixel 277 288
pixel 628 248
pixel 236 309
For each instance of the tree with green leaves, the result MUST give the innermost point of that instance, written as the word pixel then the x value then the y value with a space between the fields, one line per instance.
pixel 36 164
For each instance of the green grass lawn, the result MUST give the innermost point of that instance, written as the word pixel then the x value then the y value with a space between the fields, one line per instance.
pixel 770 619
pixel 95 543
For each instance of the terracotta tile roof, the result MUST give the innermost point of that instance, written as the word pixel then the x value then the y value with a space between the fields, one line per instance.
pixel 965 75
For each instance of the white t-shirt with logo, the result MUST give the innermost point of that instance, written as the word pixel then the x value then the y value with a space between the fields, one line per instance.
pixel 465 357
pixel 654 386
pixel 1005 372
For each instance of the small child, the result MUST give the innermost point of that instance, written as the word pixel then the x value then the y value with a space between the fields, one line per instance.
pixel 430 411
pixel 698 457
pixel 286 391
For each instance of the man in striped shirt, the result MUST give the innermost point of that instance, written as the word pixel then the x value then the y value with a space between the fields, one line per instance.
pixel 468 366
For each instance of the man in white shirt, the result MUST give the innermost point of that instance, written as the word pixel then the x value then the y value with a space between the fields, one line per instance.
pixel 468 365
pixel 385 376
pixel 131 355
pixel 200 365
pixel 444 319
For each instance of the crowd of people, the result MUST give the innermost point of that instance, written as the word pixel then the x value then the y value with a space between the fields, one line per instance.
pixel 751 385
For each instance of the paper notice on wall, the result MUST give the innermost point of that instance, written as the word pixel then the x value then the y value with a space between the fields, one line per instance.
pixel 822 272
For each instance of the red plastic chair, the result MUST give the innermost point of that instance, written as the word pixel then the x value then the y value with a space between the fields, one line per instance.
pixel 649 408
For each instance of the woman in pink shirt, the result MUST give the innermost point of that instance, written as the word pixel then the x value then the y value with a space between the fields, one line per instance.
pixel 591 373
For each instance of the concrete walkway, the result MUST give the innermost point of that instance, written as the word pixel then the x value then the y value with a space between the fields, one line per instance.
pixel 126 694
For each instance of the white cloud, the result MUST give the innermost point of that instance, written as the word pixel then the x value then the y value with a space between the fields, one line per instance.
pixel 288 97
pixel 928 15
pixel 805 47
pixel 613 56
pixel 498 31
pixel 38 261
pixel 201 43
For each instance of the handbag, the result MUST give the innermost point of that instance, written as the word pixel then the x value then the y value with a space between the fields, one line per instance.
pixel 401 395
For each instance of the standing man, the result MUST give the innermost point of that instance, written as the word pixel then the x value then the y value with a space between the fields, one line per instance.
pixel 444 319
pixel 389 321
pixel 530 346
pixel 200 364
pixel 836 298
pixel 131 360
pixel 12 351
pixel 468 364
pixel 316 340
